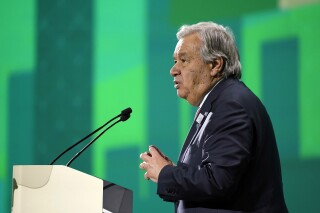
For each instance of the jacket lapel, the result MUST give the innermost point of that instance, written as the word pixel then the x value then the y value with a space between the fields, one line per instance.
pixel 196 126
pixel 204 111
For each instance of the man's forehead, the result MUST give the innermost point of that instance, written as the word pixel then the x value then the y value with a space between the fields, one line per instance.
pixel 186 45
pixel 182 47
pixel 179 53
pixel 178 45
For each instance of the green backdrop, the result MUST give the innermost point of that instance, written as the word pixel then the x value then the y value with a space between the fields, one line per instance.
pixel 66 67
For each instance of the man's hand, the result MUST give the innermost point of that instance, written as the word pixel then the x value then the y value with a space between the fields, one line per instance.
pixel 153 162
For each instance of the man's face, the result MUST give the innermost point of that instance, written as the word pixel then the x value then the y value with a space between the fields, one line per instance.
pixel 191 76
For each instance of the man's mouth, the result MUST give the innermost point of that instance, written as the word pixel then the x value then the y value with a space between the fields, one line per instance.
pixel 176 84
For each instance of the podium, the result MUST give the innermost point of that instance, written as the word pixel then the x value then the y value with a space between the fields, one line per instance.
pixel 60 189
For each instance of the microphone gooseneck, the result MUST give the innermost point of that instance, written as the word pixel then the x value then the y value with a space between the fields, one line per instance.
pixel 89 144
pixel 124 115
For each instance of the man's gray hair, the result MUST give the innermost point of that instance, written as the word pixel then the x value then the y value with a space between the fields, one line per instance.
pixel 218 41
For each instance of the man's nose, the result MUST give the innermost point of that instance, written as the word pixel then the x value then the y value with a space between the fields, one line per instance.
pixel 174 70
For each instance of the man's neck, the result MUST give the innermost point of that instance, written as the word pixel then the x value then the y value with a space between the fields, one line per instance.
pixel 210 90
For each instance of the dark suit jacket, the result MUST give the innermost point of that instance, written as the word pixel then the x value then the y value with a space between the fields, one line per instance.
pixel 229 162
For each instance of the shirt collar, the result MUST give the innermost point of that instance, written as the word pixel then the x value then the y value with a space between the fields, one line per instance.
pixel 205 97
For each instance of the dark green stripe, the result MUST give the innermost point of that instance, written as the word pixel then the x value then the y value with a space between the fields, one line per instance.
pixel 63 84
pixel 280 67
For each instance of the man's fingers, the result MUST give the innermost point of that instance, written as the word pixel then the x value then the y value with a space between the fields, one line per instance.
pixel 155 152
pixel 145 157
pixel 143 165
pixel 146 176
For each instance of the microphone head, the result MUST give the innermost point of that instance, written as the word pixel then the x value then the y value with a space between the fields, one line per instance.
pixel 125 114
pixel 126 111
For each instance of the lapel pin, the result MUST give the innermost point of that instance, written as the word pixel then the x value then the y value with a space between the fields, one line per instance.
pixel 199 118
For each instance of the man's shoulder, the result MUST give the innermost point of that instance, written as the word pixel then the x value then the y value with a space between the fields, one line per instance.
pixel 229 88
pixel 233 90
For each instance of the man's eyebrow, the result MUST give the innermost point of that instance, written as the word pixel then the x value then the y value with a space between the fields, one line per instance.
pixel 180 54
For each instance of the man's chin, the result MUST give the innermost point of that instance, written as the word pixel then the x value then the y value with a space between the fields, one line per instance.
pixel 181 94
pixel 187 98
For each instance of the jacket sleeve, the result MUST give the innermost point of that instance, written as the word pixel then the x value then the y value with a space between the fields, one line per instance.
pixel 226 148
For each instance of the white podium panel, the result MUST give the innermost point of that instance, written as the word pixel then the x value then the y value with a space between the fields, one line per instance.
pixel 55 189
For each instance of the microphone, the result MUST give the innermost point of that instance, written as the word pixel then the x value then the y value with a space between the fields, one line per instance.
pixel 124 115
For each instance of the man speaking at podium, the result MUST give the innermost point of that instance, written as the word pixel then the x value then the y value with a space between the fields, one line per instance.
pixel 229 162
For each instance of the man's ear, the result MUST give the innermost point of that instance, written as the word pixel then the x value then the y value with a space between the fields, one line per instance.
pixel 216 67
